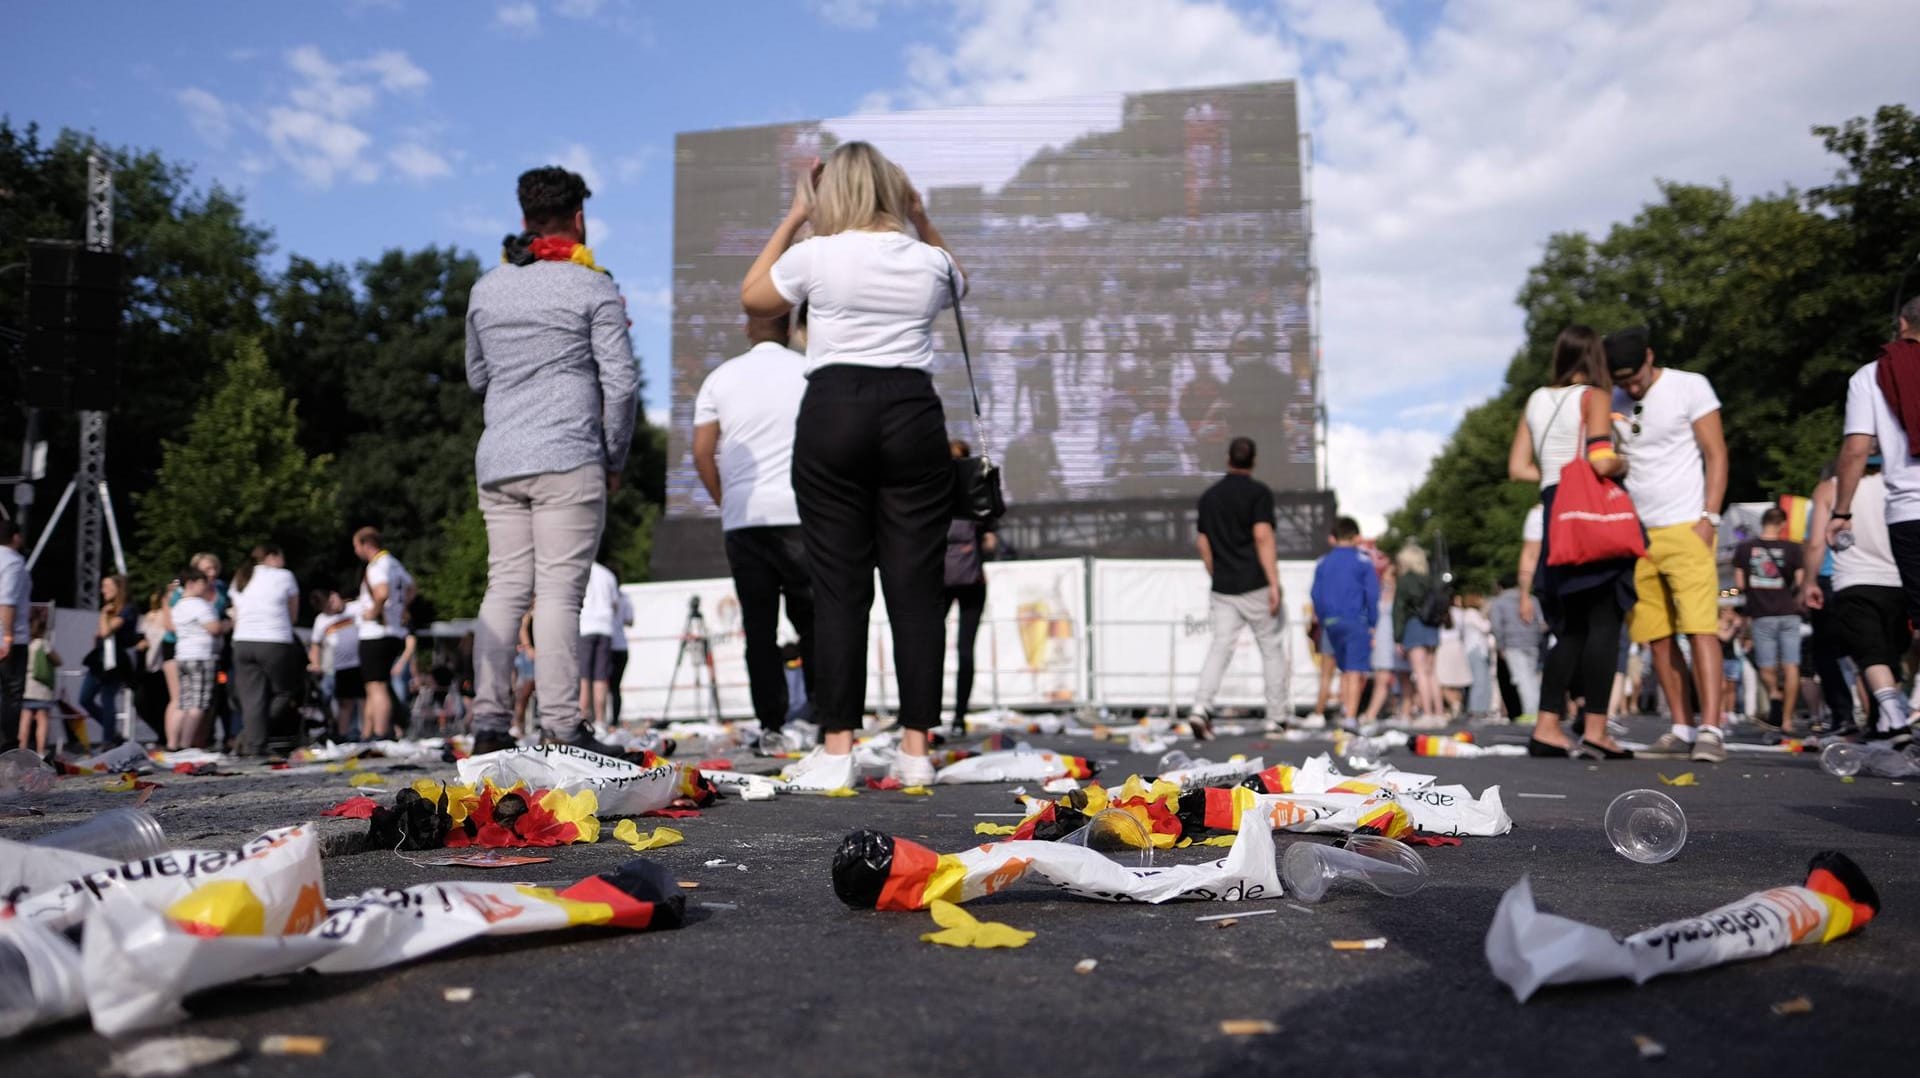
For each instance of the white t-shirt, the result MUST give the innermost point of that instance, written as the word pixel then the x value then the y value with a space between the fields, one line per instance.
pixel 192 630
pixel 338 650
pixel 1553 422
pixel 622 621
pixel 871 297
pixel 1867 413
pixel 600 603
pixel 260 611
pixel 385 569
pixel 755 398
pixel 1534 528
pixel 1870 559
pixel 1665 472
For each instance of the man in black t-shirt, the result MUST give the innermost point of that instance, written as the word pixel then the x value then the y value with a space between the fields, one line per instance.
pixel 1236 544
pixel 1768 572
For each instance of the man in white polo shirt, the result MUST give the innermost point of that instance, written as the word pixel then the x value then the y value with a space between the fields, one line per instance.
pixel 743 428
pixel 1667 424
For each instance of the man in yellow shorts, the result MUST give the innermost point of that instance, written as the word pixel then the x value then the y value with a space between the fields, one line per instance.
pixel 1667 423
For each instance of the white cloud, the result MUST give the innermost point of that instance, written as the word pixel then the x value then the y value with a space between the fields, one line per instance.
pixel 481 223
pixel 575 157
pixel 1375 470
pixel 599 232
pixel 651 302
pixel 852 14
pixel 321 149
pixel 577 9
pixel 1444 162
pixel 416 162
pixel 659 417
pixel 207 113
pixel 635 165
pixel 396 71
pixel 520 18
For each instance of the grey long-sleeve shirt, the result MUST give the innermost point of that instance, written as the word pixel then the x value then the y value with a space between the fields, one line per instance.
pixel 547 350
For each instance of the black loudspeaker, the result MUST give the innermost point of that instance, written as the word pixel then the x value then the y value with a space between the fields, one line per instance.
pixel 75 301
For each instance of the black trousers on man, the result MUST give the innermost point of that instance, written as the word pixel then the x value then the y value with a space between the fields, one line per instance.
pixel 770 564
pixel 874 482
pixel 13 690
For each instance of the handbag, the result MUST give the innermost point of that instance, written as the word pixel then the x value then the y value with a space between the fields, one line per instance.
pixel 1593 517
pixel 976 479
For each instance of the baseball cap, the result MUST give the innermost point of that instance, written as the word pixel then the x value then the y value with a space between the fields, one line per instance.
pixel 1626 350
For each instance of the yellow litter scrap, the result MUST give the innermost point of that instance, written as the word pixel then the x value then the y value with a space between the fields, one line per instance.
pixel 958 928
pixel 629 832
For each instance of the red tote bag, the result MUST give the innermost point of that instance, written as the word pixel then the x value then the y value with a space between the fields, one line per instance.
pixel 1593 517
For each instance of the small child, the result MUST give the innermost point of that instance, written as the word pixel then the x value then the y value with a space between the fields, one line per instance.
pixel 43 682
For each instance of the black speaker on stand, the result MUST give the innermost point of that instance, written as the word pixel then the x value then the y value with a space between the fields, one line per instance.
pixel 75 302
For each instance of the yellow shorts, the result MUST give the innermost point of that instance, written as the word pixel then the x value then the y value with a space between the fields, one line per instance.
pixel 1679 586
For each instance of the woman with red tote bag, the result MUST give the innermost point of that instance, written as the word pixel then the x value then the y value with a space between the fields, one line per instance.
pixel 1584 601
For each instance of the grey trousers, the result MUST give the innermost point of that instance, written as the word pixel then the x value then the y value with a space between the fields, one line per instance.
pixel 1230 613
pixel 542 534
pixel 1523 664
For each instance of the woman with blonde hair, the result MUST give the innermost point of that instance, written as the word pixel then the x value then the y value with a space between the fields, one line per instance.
pixel 1417 638
pixel 871 471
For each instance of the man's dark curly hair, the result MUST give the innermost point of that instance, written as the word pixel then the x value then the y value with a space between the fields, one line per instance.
pixel 550 196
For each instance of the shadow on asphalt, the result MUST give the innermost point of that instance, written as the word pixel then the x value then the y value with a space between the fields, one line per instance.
pixel 1874 816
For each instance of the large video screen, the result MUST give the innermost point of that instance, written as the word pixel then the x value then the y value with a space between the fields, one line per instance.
pixel 1138 269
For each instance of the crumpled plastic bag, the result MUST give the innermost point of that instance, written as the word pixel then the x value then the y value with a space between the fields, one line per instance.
pixel 1015 766
pixel 26 868
pixel 958 928
pixel 623 788
pixel 268 885
pixel 874 871
pixel 1221 774
pixel 53 970
pixel 1528 949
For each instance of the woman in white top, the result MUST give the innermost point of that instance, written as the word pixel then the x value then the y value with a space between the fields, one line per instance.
pixel 871 471
pixel 1867 613
pixel 1585 605
pixel 269 670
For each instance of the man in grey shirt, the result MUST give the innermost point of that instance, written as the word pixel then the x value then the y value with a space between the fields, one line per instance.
pixel 547 349
pixel 1519 636
pixel 16 600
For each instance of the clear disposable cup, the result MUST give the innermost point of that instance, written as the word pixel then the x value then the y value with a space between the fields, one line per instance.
pixel 1118 834
pixel 1177 760
pixel 119 835
pixel 1389 866
pixel 1843 758
pixel 1646 826
pixel 777 743
pixel 24 772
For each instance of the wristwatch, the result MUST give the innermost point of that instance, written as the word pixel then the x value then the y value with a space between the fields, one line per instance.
pixel 1710 517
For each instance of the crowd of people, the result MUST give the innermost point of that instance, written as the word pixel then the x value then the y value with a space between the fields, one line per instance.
pixel 1619 574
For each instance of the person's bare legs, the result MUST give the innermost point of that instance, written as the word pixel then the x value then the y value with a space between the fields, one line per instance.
pixel 1707 672
pixel 1670 670
pixel 1382 689
pixel 193 727
pixel 1421 659
pixel 1328 673
pixel 1352 683
pixel 378 713
pixel 1789 694
pixel 171 669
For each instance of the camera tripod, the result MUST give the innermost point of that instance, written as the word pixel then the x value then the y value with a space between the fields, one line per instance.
pixel 694 640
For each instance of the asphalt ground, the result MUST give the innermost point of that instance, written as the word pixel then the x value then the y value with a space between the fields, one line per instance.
pixel 773 975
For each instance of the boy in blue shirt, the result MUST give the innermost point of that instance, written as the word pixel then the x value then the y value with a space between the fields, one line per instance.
pixel 1346 598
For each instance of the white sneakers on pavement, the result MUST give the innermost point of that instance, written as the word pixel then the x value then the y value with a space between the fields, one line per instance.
pixel 912 770
pixel 819 771
pixel 1709 746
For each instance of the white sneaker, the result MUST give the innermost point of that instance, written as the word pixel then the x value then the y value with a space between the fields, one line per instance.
pixel 1315 721
pixel 1709 746
pixel 819 771
pixel 912 770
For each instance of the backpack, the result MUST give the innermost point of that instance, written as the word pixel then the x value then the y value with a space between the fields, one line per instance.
pixel 43 672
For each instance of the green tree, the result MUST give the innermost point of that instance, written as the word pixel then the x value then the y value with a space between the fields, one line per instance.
pixel 194 280
pixel 238 477
pixel 1777 300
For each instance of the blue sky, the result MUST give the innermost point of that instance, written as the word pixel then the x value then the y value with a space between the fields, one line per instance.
pixel 1451 138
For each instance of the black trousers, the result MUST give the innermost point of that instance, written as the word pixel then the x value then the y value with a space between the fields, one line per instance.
pixel 874 482
pixel 1825 653
pixel 619 675
pixel 770 564
pixel 13 690
pixel 1904 538
pixel 271 682
pixel 973 602
pixel 1584 658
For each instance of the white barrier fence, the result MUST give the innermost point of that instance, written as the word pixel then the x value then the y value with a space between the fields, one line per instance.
pixel 1055 634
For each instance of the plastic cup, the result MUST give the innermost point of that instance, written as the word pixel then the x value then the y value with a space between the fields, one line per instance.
pixel 1646 826
pixel 1177 760
pixel 1843 758
pixel 1389 866
pixel 119 835
pixel 1118 834
pixel 24 772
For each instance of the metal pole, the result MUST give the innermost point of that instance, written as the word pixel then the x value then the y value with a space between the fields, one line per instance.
pixel 113 529
pixel 93 425
pixel 53 521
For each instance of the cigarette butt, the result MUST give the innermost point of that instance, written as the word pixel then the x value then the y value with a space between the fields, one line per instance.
pixel 1085 965
pixel 688 885
pixel 1378 943
pixel 1227 923
pixel 1247 1027
pixel 281 1044
pixel 1796 1005
pixel 1649 1048
pixel 456 995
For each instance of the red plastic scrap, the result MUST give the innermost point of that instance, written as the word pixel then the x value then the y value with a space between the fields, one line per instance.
pixel 353 808
pixel 718 763
pixel 1431 840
